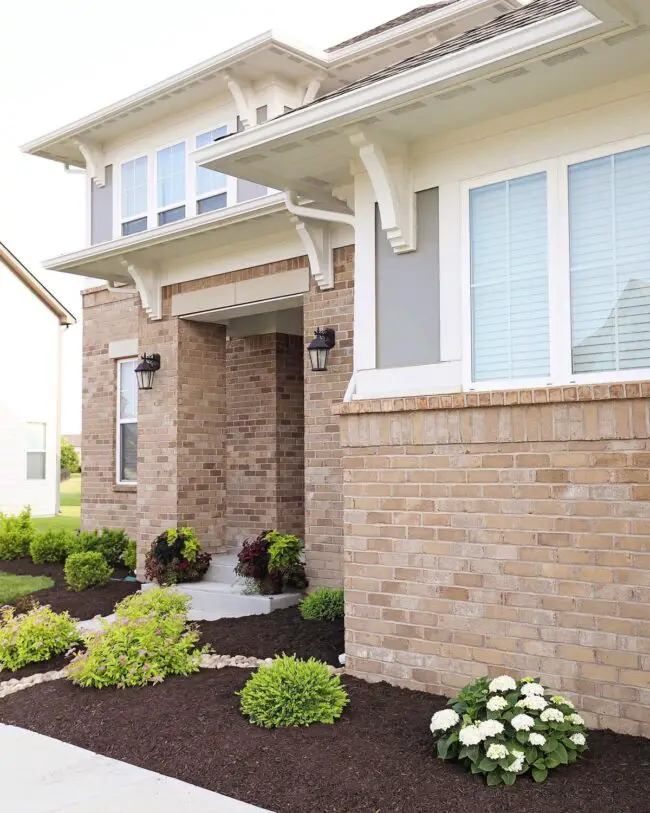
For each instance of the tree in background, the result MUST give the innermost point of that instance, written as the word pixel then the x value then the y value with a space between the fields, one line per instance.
pixel 69 457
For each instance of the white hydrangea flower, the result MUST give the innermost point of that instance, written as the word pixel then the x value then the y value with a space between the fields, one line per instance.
pixel 536 739
pixel 503 683
pixel 575 719
pixel 518 763
pixel 490 728
pixel 443 720
pixel 578 739
pixel 497 751
pixel 522 722
pixel 560 700
pixel 534 703
pixel 497 703
pixel 552 715
pixel 532 688
pixel 470 735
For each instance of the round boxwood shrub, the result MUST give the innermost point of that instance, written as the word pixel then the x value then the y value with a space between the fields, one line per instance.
pixel 110 543
pixel 51 546
pixel 84 570
pixel 176 556
pixel 503 728
pixel 292 692
pixel 324 604
pixel 16 534
pixel 34 636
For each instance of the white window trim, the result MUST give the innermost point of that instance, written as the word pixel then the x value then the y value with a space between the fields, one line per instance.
pixel 42 451
pixel 190 182
pixel 118 187
pixel 118 423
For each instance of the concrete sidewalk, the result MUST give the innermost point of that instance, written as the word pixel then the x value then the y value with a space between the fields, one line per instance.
pixel 41 775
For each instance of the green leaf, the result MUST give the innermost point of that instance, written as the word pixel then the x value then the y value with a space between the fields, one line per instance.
pixel 539 775
pixel 512 698
pixel 540 764
pixel 552 762
pixel 550 745
pixel 573 756
pixel 522 737
pixel 443 747
pixel 531 755
pixel 494 778
pixel 474 753
pixel 474 768
pixel 560 754
pixel 509 778
pixel 463 753
pixel 487 764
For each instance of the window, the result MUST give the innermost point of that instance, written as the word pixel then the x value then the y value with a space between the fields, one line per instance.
pixel 127 421
pixel 210 185
pixel 609 233
pixel 170 177
pixel 509 279
pixel 35 451
pixel 134 195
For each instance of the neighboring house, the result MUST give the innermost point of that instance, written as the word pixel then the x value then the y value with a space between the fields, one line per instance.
pixel 31 329
pixel 466 202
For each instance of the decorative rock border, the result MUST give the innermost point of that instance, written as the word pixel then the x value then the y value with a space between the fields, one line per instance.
pixel 14 685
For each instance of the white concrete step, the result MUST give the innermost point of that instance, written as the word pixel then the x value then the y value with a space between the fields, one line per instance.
pixel 222 568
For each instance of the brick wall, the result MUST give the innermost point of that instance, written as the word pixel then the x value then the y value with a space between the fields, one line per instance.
pixel 290 429
pixel 323 469
pixel 106 317
pixel 492 538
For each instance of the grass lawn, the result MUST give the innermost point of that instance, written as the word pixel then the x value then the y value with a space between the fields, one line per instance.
pixel 70 508
pixel 13 586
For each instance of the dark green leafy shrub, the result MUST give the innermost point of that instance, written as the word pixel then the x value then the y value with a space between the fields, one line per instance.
pixel 84 542
pixel 51 546
pixel 16 534
pixel 84 570
pixel 130 555
pixel 291 692
pixel 325 603
pixel 110 543
pixel 35 636
pixel 158 601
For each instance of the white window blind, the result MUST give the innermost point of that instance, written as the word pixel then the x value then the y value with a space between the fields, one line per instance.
pixel 509 279
pixel 609 216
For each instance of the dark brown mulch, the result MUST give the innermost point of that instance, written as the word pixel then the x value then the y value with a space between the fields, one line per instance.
pixel 55 663
pixel 263 636
pixel 83 605
pixel 377 759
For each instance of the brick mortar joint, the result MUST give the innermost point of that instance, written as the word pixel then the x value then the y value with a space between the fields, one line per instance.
pixel 498 398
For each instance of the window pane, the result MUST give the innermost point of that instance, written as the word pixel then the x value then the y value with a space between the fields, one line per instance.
pixel 509 279
pixel 36 465
pixel 134 187
pixel 128 390
pixel 171 215
pixel 609 213
pixel 207 180
pixel 134 226
pixel 212 203
pixel 129 451
pixel 35 436
pixel 170 169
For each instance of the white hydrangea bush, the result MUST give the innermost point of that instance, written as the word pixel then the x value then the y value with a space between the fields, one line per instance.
pixel 503 728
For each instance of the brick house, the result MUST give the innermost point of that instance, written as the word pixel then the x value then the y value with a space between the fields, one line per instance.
pixel 465 203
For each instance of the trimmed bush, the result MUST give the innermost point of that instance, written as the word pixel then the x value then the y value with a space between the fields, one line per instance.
pixel 16 534
pixel 110 543
pixel 324 604
pixel 130 555
pixel 292 692
pixel 158 601
pixel 84 570
pixel 37 635
pixel 503 728
pixel 51 546
pixel 137 651
pixel 176 556
pixel 84 542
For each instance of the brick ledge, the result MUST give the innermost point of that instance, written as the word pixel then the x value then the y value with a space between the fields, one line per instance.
pixel 496 398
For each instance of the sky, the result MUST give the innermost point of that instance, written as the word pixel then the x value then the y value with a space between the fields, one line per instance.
pixel 61 61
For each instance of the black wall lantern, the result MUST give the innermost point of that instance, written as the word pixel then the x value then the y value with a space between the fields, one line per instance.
pixel 146 370
pixel 319 348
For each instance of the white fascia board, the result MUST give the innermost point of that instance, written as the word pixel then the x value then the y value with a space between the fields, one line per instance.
pixel 240 213
pixel 222 61
pixel 618 12
pixel 384 93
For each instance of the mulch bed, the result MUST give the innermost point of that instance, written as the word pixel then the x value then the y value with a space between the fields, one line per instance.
pixel 378 758
pixel 83 605
pixel 263 636
pixel 53 665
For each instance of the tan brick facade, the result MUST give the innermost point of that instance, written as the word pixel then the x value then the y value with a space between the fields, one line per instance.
pixel 492 538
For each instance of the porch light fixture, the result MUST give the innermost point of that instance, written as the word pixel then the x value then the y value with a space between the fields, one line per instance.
pixel 146 370
pixel 319 348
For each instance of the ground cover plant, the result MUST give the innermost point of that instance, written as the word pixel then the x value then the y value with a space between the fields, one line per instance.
pixel 324 604
pixel 272 561
pixel 34 636
pixel 84 570
pixel 157 601
pixel 503 728
pixel 16 534
pixel 176 556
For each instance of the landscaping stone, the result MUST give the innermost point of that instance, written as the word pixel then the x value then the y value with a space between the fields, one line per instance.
pixel 14 685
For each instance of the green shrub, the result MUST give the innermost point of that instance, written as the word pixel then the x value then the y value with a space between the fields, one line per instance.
pixel 35 636
pixel 16 534
pixel 284 550
pixel 69 457
pixel 503 728
pixel 84 542
pixel 158 601
pixel 110 543
pixel 291 692
pixel 130 555
pixel 137 651
pixel 84 570
pixel 51 546
pixel 324 604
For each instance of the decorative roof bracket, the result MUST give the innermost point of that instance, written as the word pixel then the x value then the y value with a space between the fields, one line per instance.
pixel 314 227
pixel 148 286
pixel 95 161
pixel 242 96
pixel 311 90
pixel 392 184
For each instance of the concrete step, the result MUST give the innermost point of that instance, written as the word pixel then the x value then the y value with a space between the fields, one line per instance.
pixel 211 600
pixel 222 568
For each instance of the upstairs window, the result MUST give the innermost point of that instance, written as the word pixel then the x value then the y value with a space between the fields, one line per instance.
pixel 211 191
pixel 36 451
pixel 127 421
pixel 134 195
pixel 170 180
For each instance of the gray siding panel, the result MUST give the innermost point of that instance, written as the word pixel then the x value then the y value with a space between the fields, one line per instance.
pixel 101 209
pixel 246 190
pixel 408 292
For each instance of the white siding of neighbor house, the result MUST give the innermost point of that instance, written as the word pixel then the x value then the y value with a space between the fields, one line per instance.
pixel 30 339
pixel 607 120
